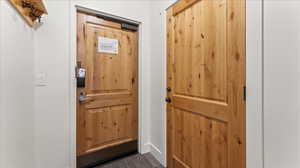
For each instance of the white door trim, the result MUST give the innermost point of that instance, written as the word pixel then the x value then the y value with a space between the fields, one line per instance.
pixel 2 111
pixel 254 82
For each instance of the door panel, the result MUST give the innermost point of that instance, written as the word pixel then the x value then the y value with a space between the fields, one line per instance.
pixel 206 77
pixel 105 125
pixel 110 72
pixel 203 140
pixel 108 115
pixel 200 36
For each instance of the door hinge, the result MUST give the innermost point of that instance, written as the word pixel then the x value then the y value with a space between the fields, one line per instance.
pixel 245 93
pixel 84 31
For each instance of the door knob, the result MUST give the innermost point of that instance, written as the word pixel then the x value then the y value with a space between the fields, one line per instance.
pixel 168 100
pixel 169 89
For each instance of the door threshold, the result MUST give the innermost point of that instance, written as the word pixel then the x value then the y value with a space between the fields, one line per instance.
pixel 106 155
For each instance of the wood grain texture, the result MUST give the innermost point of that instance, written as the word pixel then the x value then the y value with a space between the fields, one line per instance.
pixel 200 35
pixel 236 51
pixel 182 5
pixel 80 115
pixel 109 116
pixel 206 74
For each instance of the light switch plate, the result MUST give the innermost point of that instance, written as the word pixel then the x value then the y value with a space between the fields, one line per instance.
pixel 41 79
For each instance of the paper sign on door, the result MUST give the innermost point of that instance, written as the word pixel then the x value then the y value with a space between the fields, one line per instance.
pixel 108 45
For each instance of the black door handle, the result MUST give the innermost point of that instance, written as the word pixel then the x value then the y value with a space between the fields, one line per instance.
pixel 169 89
pixel 168 100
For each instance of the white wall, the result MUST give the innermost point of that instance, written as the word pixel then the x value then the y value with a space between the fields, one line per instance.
pixel 2 115
pixel 158 79
pixel 2 144
pixel 17 90
pixel 254 111
pixel 52 101
pixel 282 84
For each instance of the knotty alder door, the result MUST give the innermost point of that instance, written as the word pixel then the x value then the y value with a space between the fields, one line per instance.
pixel 206 79
pixel 107 113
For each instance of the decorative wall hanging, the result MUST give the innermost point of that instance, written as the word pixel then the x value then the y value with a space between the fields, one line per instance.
pixel 31 10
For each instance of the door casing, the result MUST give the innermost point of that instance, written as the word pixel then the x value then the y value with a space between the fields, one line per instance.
pixel 111 86
pixel 73 88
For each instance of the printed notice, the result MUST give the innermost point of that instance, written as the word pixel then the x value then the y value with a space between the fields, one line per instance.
pixel 108 45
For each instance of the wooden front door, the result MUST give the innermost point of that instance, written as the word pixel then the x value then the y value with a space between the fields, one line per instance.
pixel 206 80
pixel 107 106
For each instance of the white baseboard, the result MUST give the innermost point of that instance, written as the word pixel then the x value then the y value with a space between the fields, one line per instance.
pixel 146 148
pixel 157 153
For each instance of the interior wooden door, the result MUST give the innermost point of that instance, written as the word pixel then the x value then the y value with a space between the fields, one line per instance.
pixel 206 80
pixel 107 107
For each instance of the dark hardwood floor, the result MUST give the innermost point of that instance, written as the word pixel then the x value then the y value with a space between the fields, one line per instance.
pixel 133 161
